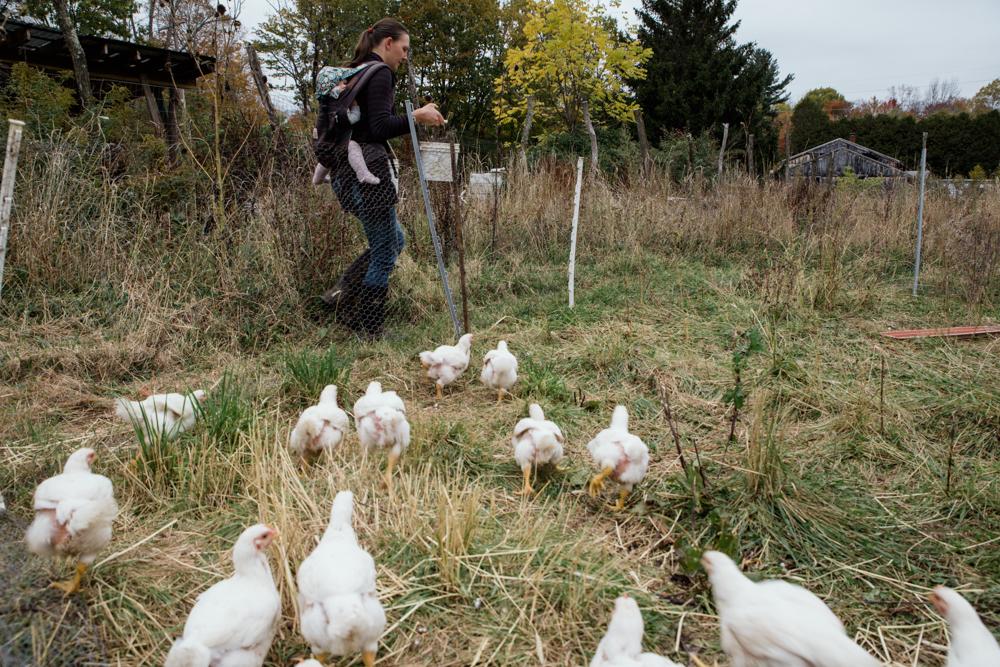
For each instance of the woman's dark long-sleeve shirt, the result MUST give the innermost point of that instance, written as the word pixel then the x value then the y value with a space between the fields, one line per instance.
pixel 378 122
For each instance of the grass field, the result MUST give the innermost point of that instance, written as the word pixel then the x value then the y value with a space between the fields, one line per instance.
pixel 866 487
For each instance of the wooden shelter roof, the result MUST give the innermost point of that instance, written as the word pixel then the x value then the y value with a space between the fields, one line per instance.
pixel 845 144
pixel 108 59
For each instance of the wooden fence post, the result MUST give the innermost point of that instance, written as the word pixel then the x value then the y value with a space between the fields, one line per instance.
pixel 920 214
pixel 526 130
pixel 643 143
pixel 593 138
pixel 7 187
pixel 722 148
pixel 261 81
pixel 788 154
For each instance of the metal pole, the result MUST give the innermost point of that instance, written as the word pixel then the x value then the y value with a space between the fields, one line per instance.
pixel 920 214
pixel 430 219
pixel 458 235
pixel 7 187
pixel 576 220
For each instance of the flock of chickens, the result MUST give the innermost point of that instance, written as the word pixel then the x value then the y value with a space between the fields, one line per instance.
pixel 232 624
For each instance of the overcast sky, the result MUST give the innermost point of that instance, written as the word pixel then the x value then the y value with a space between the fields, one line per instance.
pixel 860 47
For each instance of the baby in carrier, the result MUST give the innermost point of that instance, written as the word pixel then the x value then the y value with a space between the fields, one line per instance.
pixel 333 81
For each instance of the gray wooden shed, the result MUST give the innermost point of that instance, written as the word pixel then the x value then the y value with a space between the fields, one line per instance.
pixel 839 154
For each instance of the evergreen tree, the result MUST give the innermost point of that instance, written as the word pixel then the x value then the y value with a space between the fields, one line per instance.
pixel 699 76
pixel 810 125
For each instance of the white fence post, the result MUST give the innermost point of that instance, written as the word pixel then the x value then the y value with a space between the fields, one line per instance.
pixel 920 215
pixel 7 187
pixel 576 221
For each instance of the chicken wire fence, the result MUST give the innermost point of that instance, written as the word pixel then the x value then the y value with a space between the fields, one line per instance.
pixel 366 182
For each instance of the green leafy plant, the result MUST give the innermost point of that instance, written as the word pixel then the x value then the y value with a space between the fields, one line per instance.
pixel 750 342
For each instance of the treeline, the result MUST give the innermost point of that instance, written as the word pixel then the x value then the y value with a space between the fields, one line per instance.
pixel 957 144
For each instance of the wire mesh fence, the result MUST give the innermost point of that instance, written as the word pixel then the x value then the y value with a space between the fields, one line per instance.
pixel 367 183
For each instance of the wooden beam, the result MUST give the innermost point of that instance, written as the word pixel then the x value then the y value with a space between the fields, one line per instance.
pixel 947 332
pixel 154 111
pixel 261 81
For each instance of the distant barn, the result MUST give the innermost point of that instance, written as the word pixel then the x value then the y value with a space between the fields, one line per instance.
pixel 840 154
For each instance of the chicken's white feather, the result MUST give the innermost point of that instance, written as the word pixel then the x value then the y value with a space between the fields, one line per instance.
pixel 446 363
pixel 340 611
pixel 777 624
pixel 74 511
pixel 972 644
pixel 621 645
pixel 235 620
pixel 321 427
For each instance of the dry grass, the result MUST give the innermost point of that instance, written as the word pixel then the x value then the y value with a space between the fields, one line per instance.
pixel 111 292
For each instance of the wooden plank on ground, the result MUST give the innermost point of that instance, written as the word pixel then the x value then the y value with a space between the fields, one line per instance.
pixel 983 330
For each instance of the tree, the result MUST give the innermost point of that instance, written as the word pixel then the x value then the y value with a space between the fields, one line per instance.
pixel 76 53
pixel 824 96
pixel 810 125
pixel 284 48
pixel 570 55
pixel 988 97
pixel 456 54
pixel 699 77
pixel 300 39
pixel 90 17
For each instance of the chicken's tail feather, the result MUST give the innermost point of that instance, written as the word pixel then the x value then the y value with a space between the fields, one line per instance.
pixel 342 514
pixel 619 419
pixel 546 444
pixel 503 364
pixel 127 410
pixel 187 653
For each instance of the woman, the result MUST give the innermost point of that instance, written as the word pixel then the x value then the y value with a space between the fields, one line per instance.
pixel 360 296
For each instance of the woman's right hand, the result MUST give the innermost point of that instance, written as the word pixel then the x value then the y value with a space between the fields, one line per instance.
pixel 428 115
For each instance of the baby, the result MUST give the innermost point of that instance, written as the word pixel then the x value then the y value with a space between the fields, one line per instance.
pixel 355 156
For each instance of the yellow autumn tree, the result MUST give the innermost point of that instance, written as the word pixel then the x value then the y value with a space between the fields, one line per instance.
pixel 571 52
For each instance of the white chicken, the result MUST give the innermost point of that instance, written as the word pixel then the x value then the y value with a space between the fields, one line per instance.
pixel 73 515
pixel 447 362
pixel 621 645
pixel 380 419
pixel 499 370
pixel 321 427
pixel 233 623
pixel 536 441
pixel 161 415
pixel 620 455
pixel 777 624
pixel 972 644
pixel 340 611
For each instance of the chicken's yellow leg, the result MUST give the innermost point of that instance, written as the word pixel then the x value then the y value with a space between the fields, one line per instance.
pixel 321 658
pixel 499 396
pixel 71 585
pixel 393 457
pixel 440 390
pixel 369 658
pixel 622 495
pixel 597 483
pixel 526 489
